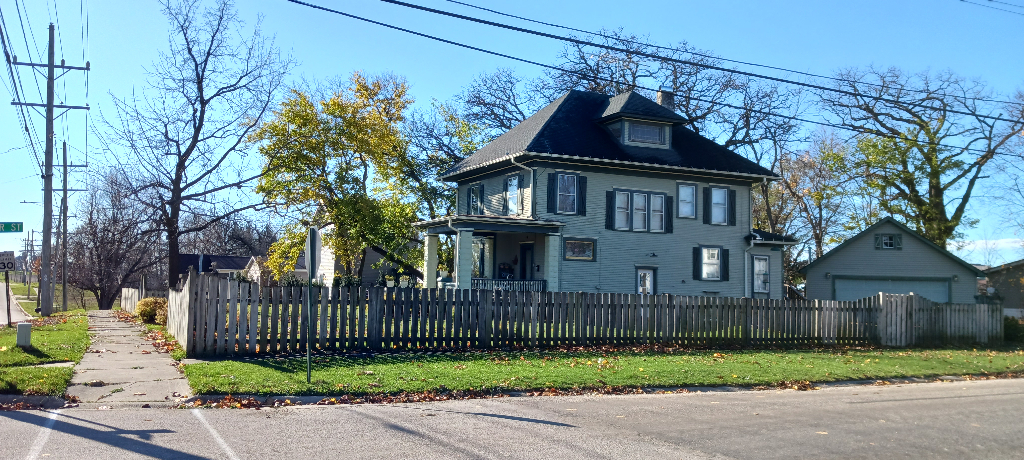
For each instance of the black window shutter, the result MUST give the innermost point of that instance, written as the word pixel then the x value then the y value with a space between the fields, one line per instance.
pixel 552 193
pixel 520 198
pixel 609 217
pixel 483 210
pixel 898 241
pixel 707 205
pixel 504 194
pixel 581 195
pixel 725 265
pixel 732 207
pixel 668 214
pixel 878 241
pixel 697 263
pixel 469 200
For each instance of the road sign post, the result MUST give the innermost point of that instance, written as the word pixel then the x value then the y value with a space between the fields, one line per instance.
pixel 312 251
pixel 7 264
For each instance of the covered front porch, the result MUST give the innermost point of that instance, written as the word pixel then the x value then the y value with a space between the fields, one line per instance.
pixel 496 253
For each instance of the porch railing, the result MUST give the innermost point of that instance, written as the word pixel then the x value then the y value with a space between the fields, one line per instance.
pixel 509 285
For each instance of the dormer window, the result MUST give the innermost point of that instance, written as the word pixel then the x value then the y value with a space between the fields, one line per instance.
pixel 647 133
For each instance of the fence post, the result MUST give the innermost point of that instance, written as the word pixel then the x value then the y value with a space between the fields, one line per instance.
pixel 745 329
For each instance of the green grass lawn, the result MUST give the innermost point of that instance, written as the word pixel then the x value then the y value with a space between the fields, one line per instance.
pixel 64 341
pixel 567 370
pixel 76 298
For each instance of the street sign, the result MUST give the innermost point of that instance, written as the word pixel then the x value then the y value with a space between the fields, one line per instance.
pixel 6 260
pixel 12 227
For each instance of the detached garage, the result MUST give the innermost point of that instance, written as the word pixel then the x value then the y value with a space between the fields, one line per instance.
pixel 889 257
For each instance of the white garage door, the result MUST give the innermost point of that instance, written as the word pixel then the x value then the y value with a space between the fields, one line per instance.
pixel 936 291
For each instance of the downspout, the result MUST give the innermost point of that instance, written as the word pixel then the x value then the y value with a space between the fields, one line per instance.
pixel 533 186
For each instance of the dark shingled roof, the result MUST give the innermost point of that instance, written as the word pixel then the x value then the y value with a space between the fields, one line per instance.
pixel 772 237
pixel 572 125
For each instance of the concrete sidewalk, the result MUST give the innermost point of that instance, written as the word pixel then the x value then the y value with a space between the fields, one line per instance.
pixel 122 369
pixel 17 314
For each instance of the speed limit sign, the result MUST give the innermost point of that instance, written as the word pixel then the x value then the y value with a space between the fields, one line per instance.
pixel 6 260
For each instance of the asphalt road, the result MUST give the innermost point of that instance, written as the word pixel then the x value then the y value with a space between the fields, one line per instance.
pixel 979 419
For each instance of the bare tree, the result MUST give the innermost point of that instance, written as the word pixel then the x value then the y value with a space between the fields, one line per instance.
pixel 186 137
pixel 818 183
pixel 115 242
pixel 926 140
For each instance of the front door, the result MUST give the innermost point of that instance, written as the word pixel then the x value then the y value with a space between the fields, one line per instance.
pixel 526 261
pixel 645 281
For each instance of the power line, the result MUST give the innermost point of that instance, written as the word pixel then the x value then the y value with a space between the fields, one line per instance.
pixel 1007 3
pixel 711 56
pixel 994 7
pixel 589 77
pixel 692 63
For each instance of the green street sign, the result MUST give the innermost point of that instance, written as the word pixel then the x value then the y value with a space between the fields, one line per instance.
pixel 12 227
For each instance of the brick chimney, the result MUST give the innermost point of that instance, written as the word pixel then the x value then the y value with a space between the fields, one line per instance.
pixel 666 98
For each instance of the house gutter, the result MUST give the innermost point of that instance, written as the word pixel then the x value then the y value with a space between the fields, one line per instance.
pixel 533 186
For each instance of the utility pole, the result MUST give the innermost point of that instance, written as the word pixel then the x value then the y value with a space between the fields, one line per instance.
pixel 46 269
pixel 64 236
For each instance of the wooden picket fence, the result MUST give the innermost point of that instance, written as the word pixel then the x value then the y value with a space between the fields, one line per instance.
pixel 130 297
pixel 214 316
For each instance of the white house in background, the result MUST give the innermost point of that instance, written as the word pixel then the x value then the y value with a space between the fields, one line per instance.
pixel 327 265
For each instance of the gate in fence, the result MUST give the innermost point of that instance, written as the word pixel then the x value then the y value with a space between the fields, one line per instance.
pixel 214 316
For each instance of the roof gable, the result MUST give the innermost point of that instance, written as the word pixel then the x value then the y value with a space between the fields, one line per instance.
pixel 570 126
pixel 889 220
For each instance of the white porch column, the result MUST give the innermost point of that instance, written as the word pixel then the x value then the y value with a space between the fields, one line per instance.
pixel 553 261
pixel 464 259
pixel 430 261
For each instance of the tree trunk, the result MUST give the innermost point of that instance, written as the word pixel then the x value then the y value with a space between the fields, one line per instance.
pixel 173 258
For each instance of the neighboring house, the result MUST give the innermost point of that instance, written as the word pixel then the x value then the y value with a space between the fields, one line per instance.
pixel 608 194
pixel 1007 283
pixel 327 266
pixel 224 266
pixel 889 257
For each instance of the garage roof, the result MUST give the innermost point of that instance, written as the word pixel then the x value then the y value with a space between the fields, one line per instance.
pixel 904 228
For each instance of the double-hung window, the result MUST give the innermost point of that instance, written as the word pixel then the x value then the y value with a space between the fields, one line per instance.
pixel 567 194
pixel 712 264
pixel 761 275
pixel 512 195
pixel 687 200
pixel 621 210
pixel 474 200
pixel 720 206
pixel 657 213
pixel 639 212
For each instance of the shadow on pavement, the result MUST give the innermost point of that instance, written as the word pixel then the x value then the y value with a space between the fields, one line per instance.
pixel 116 437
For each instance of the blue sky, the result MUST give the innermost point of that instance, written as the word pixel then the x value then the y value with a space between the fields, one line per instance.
pixel 805 35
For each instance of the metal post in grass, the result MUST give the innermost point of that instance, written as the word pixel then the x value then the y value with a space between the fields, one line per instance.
pixel 312 244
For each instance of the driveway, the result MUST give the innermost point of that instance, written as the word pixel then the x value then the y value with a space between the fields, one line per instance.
pixel 979 419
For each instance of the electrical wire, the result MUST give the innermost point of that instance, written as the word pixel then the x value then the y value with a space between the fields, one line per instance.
pixel 993 7
pixel 588 77
pixel 691 63
pixel 711 56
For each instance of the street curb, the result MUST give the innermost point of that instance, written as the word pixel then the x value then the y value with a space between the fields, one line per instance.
pixel 45 402
pixel 288 401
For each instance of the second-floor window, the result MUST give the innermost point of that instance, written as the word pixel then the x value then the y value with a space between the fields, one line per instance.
pixel 719 206
pixel 567 194
pixel 474 200
pixel 512 195
pixel 638 211
pixel 687 200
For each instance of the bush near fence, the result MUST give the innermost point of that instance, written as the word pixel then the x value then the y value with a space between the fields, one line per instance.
pixel 214 316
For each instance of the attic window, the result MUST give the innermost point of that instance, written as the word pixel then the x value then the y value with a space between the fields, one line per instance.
pixel 647 133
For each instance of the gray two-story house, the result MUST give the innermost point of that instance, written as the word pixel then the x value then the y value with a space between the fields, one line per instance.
pixel 608 194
